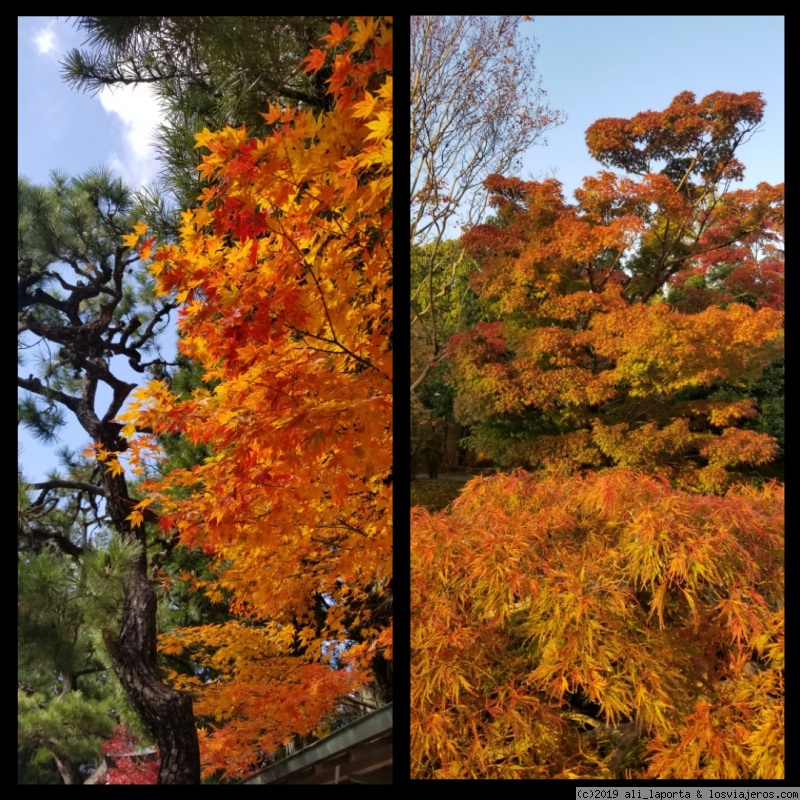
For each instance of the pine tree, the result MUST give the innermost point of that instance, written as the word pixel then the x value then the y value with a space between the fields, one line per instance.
pixel 68 699
pixel 82 303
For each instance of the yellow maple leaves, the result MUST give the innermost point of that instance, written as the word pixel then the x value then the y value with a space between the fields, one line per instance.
pixel 114 467
pixel 381 127
pixel 112 463
pixel 140 229
pixel 536 597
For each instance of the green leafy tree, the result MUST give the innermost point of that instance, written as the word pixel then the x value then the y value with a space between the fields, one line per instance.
pixel 447 290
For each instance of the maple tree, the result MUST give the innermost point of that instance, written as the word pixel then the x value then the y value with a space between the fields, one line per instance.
pixel 284 276
pixel 611 625
pixel 750 270
pixel 618 612
pixel 600 353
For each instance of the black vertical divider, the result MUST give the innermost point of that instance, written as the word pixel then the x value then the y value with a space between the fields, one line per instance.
pixel 401 344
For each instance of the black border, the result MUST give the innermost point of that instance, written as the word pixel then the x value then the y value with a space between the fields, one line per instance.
pixel 401 344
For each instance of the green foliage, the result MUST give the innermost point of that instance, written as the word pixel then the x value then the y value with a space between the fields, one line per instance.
pixel 42 419
pixel 69 726
pixel 83 302
pixel 51 634
pixel 768 393
pixel 74 272
pixel 103 576
pixel 68 699
pixel 442 304
pixel 447 286
pixel 436 395
pixel 36 767
pixel 505 436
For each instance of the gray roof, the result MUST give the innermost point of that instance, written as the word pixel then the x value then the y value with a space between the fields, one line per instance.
pixel 358 753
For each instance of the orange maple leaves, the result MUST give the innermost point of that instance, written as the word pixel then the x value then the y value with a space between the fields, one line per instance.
pixel 284 273
pixel 616 313
pixel 571 624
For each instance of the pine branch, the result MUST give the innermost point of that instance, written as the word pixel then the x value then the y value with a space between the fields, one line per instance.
pixel 80 486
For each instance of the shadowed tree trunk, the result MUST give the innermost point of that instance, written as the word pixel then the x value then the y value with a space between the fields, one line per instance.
pixel 166 712
pixel 68 770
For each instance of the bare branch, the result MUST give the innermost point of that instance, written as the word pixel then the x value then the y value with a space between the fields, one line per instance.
pixel 476 106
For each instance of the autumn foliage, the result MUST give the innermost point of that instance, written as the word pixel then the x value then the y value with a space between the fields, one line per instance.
pixel 618 611
pixel 620 318
pixel 598 626
pixel 125 764
pixel 284 276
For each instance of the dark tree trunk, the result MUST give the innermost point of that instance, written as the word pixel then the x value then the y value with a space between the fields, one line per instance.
pixel 166 712
pixel 68 770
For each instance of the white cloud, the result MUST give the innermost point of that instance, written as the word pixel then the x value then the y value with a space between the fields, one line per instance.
pixel 138 109
pixel 46 41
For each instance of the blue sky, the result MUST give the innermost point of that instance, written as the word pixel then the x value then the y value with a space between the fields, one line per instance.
pixel 617 66
pixel 60 128
pixel 591 67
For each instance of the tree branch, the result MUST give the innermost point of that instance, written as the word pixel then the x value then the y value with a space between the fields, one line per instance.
pixel 79 486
